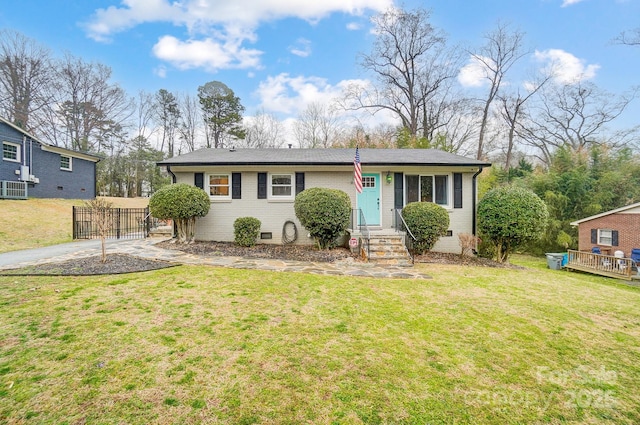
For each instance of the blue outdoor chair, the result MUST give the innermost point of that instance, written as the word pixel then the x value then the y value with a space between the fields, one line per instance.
pixel 635 256
pixel 596 250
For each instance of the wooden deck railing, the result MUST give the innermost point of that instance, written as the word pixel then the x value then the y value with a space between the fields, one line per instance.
pixel 605 265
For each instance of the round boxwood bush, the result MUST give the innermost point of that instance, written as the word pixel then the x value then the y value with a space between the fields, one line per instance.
pixel 246 230
pixel 510 216
pixel 427 222
pixel 182 203
pixel 324 213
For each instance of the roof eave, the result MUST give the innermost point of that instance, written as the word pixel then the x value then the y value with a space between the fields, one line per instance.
pixel 324 163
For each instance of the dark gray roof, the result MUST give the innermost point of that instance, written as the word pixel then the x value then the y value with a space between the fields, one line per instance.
pixel 85 155
pixel 285 156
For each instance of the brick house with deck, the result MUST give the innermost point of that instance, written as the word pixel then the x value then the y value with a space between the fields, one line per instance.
pixel 611 231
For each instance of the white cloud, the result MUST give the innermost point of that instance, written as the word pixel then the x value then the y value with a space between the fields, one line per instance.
pixel 198 15
pixel 565 67
pixel 353 26
pixel 288 95
pixel 566 3
pixel 209 54
pixel 302 48
pixel 474 73
pixel 161 71
pixel 219 27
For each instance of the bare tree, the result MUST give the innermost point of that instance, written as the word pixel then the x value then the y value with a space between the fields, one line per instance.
pixel 575 116
pixel 167 114
pixel 144 114
pixel 102 215
pixel 317 126
pixel 458 126
pixel 25 78
pixel 190 118
pixel 501 51
pixel 410 64
pixel 630 38
pixel 87 107
pixel 263 130
pixel 511 110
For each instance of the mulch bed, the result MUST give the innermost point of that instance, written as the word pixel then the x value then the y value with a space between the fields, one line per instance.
pixel 88 266
pixel 306 253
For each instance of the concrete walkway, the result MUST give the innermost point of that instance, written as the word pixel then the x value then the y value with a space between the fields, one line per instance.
pixel 146 248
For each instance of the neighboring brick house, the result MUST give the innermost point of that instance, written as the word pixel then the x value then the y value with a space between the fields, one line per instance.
pixel 45 171
pixel 615 230
pixel 262 183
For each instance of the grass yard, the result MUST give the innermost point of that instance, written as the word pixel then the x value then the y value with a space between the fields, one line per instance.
pixel 34 222
pixel 192 345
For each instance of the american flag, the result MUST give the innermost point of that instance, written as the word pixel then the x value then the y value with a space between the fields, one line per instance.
pixel 357 172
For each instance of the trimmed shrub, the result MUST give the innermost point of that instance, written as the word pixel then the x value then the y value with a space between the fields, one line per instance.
pixel 427 222
pixel 324 213
pixel 182 203
pixel 509 217
pixel 246 230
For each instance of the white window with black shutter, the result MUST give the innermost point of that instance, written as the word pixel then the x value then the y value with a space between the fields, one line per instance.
pixel 430 188
pixel 220 186
pixel 280 186
pixel 604 237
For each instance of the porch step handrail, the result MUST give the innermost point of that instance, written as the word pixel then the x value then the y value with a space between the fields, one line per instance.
pixel 365 234
pixel 401 226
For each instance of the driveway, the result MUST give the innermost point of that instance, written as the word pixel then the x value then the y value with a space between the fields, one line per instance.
pixel 30 255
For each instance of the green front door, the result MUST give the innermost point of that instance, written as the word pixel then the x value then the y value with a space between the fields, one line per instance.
pixel 369 199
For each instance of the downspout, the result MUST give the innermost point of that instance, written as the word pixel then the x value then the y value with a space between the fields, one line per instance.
pixel 474 191
pixel 173 176
pixel 95 179
pixel 173 180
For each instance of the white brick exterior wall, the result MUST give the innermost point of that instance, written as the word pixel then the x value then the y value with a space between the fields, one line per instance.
pixel 218 224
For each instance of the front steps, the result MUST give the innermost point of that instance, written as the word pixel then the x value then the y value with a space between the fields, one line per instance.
pixel 387 249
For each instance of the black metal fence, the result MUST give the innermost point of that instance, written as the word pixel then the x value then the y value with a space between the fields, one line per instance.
pixel 121 223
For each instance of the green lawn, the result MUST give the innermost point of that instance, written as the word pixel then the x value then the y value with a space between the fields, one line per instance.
pixel 192 345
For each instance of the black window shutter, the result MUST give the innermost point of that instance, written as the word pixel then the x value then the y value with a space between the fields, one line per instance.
pixel 398 190
pixel 236 186
pixel 457 190
pixel 594 235
pixel 299 182
pixel 614 238
pixel 262 185
pixel 199 180
pixel 413 189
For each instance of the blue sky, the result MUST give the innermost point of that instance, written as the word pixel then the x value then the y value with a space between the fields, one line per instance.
pixel 281 55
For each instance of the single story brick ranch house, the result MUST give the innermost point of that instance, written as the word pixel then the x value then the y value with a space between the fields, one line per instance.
pixel 263 183
pixel 615 230
pixel 35 169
